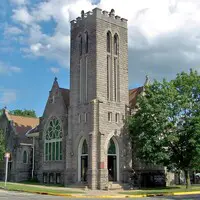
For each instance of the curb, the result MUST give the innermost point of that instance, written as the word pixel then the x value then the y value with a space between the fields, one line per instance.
pixel 163 194
pixel 107 196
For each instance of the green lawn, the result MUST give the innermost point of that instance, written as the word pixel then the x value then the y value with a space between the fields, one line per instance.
pixel 37 189
pixel 43 184
pixel 171 189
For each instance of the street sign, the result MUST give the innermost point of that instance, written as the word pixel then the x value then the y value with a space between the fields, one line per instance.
pixel 7 155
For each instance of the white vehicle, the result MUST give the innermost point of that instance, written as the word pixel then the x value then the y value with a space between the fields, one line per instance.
pixel 197 175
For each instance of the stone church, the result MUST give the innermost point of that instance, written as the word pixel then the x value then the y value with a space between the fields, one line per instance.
pixel 81 137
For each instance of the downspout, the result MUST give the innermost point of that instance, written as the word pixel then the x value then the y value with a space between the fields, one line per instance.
pixel 33 163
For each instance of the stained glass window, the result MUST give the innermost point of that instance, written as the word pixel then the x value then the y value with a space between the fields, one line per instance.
pixel 86 42
pixel 115 44
pixel 80 45
pixel 84 148
pixel 25 157
pixel 108 41
pixel 53 140
pixel 111 147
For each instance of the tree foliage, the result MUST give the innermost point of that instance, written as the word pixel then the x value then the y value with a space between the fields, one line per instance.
pixel 24 113
pixel 2 145
pixel 166 128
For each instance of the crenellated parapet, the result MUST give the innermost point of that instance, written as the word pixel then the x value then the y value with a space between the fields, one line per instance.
pixel 97 13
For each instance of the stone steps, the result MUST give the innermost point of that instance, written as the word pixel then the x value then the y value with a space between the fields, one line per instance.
pixel 115 186
pixel 111 186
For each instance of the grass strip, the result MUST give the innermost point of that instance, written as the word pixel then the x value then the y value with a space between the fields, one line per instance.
pixel 35 189
pixel 161 191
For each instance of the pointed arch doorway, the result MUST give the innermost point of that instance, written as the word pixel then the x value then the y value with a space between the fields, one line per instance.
pixel 113 160
pixel 83 161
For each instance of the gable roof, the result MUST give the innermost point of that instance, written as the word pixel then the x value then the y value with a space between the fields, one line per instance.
pixel 33 132
pixel 22 125
pixel 133 93
pixel 65 95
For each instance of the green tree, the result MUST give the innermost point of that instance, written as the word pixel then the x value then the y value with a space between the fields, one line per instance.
pixel 1 112
pixel 25 113
pixel 2 145
pixel 166 128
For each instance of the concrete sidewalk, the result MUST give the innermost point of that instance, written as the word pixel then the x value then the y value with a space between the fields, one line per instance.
pixel 87 193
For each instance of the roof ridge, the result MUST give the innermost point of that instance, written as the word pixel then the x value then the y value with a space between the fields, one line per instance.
pixel 23 116
pixel 136 88
pixel 64 88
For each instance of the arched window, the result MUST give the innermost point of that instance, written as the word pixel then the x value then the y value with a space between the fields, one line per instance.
pixel 116 69
pixel 116 44
pixel 112 162
pixel 111 147
pixel 53 140
pixel 25 157
pixel 84 161
pixel 86 42
pixel 80 45
pixel 108 41
pixel 84 148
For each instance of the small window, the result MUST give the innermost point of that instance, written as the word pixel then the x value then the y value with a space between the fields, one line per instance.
pixel 86 42
pixel 58 177
pixel 108 41
pixel 80 45
pixel 117 117
pixel 79 118
pixel 85 117
pixel 51 178
pixel 25 157
pixel 109 116
pixel 44 177
pixel 115 44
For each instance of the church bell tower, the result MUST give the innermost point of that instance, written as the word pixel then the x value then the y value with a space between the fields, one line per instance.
pixel 98 98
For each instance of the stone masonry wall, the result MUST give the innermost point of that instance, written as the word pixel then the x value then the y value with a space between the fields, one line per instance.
pixel 97 130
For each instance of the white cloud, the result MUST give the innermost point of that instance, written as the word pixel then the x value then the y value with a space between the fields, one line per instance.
pixel 7 96
pixel 22 15
pixel 35 48
pixel 164 36
pixel 6 69
pixel 15 69
pixel 55 70
pixel 54 46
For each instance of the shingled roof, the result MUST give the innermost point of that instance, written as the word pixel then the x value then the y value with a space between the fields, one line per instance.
pixel 133 93
pixel 22 125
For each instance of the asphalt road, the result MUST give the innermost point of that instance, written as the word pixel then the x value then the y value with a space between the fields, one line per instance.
pixel 5 195
pixel 188 197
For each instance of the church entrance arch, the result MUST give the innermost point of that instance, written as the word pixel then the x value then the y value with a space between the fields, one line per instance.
pixel 83 161
pixel 113 160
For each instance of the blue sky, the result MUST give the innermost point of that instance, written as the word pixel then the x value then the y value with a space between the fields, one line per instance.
pixel 24 80
pixel 34 43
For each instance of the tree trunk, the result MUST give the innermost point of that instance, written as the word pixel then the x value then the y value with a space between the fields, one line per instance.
pixel 187 179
